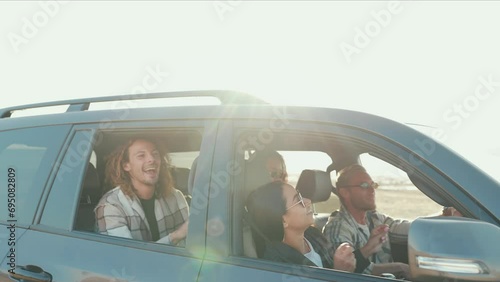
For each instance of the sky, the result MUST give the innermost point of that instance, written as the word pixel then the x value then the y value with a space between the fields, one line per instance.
pixel 431 63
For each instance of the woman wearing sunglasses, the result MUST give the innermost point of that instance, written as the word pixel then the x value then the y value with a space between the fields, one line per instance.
pixel 281 226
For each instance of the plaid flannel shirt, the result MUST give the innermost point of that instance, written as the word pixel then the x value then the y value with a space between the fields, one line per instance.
pixel 123 216
pixel 343 228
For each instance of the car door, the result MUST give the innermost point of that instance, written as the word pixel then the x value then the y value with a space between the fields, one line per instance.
pixel 54 245
pixel 224 260
pixel 430 164
pixel 24 155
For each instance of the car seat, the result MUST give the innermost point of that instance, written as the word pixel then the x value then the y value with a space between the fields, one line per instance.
pixel 316 185
pixel 90 196
pixel 181 175
pixel 256 175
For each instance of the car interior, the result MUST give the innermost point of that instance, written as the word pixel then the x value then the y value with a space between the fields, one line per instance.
pixel 312 183
pixel 315 184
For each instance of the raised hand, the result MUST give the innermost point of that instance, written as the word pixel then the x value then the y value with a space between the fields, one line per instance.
pixel 377 238
pixel 343 258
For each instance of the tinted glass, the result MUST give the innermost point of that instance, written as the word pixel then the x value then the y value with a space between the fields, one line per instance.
pixel 26 159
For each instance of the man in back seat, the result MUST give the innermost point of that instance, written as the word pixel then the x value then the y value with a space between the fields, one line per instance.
pixel 143 183
pixel 275 165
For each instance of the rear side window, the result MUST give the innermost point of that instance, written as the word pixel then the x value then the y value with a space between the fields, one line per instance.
pixel 26 159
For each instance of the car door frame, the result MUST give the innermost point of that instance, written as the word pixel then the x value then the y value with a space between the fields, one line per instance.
pixel 137 251
pixel 221 263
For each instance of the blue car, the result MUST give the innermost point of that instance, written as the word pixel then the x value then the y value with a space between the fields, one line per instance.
pixel 52 174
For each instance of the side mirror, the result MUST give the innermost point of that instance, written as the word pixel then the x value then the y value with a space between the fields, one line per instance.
pixel 453 249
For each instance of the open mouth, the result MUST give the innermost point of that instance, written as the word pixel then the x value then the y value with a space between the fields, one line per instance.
pixel 150 171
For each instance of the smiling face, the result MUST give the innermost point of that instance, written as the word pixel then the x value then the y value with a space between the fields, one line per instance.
pixel 362 199
pixel 298 216
pixel 143 166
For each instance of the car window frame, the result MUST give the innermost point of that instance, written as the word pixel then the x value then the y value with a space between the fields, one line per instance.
pixel 131 126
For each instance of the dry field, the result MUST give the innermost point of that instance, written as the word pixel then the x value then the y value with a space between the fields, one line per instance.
pixel 407 204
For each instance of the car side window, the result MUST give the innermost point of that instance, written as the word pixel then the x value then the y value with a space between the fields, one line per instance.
pixel 396 194
pixel 81 181
pixel 28 155
pixel 134 162
pixel 64 192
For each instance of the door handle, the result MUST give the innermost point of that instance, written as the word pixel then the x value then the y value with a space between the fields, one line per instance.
pixel 30 273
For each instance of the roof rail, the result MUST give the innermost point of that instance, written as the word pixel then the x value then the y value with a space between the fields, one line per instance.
pixel 226 97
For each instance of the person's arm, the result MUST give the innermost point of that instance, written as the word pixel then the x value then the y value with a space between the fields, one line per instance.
pixel 174 237
pixel 337 233
pixel 180 233
pixel 112 221
pixel 398 228
pixel 377 237
pixel 451 211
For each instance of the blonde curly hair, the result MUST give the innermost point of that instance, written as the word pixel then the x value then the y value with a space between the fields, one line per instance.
pixel 117 176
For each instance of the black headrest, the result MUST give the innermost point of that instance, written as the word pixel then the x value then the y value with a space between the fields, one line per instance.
pixel 315 185
pixel 181 178
pixel 91 184
pixel 91 181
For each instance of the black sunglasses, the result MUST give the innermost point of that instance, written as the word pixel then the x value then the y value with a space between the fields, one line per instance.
pixel 364 185
pixel 277 174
